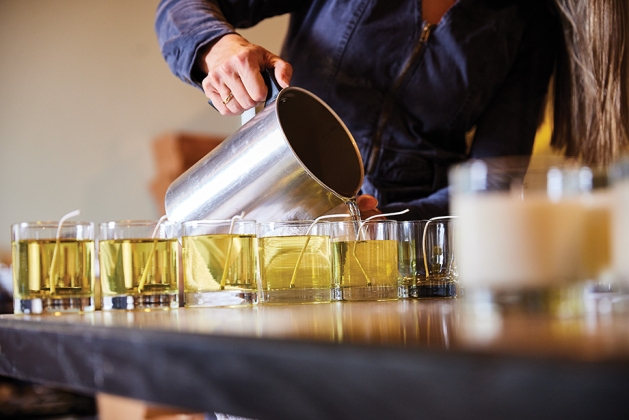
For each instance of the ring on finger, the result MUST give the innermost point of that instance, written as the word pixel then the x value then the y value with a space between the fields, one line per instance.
pixel 228 98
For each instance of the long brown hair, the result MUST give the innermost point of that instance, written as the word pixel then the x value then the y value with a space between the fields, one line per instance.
pixel 591 86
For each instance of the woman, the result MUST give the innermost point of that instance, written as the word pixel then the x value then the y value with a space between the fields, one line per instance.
pixel 420 85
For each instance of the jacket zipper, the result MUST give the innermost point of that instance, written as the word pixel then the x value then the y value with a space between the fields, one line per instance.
pixel 387 105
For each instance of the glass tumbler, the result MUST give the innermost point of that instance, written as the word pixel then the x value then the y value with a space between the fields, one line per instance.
pixel 219 262
pixel 619 174
pixel 428 257
pixel 520 237
pixel 294 260
pixel 410 256
pixel 139 264
pixel 365 259
pixel 53 267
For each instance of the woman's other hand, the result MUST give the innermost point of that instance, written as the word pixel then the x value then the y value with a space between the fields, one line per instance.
pixel 234 81
pixel 368 205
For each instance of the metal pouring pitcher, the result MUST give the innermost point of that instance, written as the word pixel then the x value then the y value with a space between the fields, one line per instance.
pixel 294 160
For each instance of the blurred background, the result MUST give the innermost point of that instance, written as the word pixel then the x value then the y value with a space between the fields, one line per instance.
pixel 85 95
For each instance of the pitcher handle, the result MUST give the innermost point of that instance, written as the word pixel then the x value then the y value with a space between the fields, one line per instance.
pixel 273 88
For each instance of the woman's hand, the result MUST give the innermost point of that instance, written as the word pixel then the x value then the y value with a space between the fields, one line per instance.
pixel 234 81
pixel 368 205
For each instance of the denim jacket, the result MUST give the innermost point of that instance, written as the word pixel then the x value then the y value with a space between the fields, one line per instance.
pixel 416 97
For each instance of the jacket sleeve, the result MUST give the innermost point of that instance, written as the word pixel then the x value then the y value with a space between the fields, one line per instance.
pixel 185 26
pixel 436 204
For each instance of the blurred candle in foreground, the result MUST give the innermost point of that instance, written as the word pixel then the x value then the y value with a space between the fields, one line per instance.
pixel 597 231
pixel 520 238
pixel 620 221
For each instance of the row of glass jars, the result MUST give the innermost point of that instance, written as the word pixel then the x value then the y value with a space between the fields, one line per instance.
pixel 228 263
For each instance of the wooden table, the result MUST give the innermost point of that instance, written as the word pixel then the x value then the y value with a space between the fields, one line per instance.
pixel 413 359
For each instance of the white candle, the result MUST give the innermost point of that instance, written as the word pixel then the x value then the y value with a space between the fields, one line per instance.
pixel 620 230
pixel 505 241
pixel 597 234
